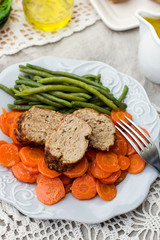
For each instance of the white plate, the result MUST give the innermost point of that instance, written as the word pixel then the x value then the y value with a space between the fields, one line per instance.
pixel 131 192
pixel 121 16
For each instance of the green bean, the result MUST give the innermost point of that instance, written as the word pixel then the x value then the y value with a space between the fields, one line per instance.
pixel 34 103
pixel 19 107
pixel 58 100
pixel 22 77
pixel 123 94
pixel 84 95
pixel 7 90
pixel 28 83
pixel 20 102
pixel 111 97
pixel 17 86
pixel 46 107
pixel 46 98
pixel 42 72
pixel 90 105
pixel 36 78
pixel 48 88
pixel 29 98
pixel 68 96
pixel 66 110
pixel 34 72
pixel 82 85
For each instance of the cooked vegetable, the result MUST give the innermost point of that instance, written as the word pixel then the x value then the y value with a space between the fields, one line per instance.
pixel 137 164
pixel 106 192
pixel 43 169
pixel 107 161
pixel 9 155
pixel 31 156
pixel 78 170
pixel 112 178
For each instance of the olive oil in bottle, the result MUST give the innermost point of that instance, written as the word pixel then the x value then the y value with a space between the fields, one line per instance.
pixel 48 15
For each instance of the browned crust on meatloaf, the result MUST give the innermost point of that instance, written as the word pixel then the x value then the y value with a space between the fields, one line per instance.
pixel 35 125
pixel 68 144
pixel 103 129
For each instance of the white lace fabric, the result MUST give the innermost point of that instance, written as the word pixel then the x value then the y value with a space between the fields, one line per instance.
pixel 17 34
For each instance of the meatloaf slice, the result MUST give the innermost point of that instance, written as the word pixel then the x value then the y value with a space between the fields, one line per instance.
pixel 68 144
pixel 36 124
pixel 103 129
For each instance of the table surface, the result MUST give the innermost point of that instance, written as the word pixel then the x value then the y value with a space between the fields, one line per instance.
pixel 97 42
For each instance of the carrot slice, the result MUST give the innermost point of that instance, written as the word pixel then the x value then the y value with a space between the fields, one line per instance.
pixel 6 121
pixel 120 145
pixel 123 162
pixel 23 175
pixel 78 170
pixel 111 179
pixel 50 190
pixel 17 145
pixel 106 192
pixel 30 169
pixel 31 156
pixel 2 142
pixel 137 164
pixel 42 167
pixel 9 155
pixel 120 114
pixel 84 187
pixel 68 188
pixel 121 178
pixel 130 149
pixel 97 172
pixel 14 126
pixel 91 154
pixel 66 180
pixel 107 161
pixel 39 176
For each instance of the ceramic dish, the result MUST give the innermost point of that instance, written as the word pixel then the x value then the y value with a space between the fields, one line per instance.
pixel 121 16
pixel 23 196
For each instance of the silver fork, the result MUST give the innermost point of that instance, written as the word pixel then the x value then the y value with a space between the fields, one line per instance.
pixel 148 151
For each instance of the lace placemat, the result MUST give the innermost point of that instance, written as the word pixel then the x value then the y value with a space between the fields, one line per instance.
pixel 141 224
pixel 17 34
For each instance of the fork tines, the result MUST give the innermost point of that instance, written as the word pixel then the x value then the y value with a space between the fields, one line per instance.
pixel 138 139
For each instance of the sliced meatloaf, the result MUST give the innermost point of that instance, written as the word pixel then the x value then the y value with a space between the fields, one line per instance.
pixel 67 144
pixel 103 129
pixel 36 124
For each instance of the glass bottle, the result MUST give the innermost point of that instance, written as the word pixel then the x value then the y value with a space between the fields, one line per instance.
pixel 48 15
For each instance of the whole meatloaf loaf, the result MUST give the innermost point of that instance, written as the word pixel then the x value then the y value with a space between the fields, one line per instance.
pixel 103 129
pixel 36 124
pixel 67 144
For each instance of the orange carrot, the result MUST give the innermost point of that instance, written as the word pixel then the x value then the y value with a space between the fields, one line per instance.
pixel 22 174
pixel 121 178
pixel 97 172
pixel 78 170
pixel 39 176
pixel 130 149
pixel 9 155
pixel 30 169
pixel 68 188
pixel 66 180
pixel 137 164
pixel 31 156
pixel 120 114
pixel 111 179
pixel 107 161
pixel 17 145
pixel 50 190
pixel 84 187
pixel 2 142
pixel 45 171
pixel 14 126
pixel 6 121
pixel 91 154
pixel 123 162
pixel 120 145
pixel 106 192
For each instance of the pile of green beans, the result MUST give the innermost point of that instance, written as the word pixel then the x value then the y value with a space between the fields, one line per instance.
pixel 61 91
